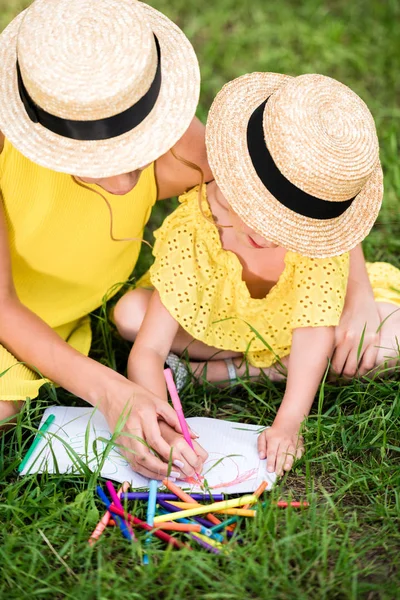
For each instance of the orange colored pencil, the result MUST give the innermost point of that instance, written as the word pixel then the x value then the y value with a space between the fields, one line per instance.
pixel 175 489
pixel 179 527
pixel 263 485
pixel 189 527
pixel 258 491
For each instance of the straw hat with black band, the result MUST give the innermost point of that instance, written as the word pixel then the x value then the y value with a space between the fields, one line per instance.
pixel 297 158
pixel 95 88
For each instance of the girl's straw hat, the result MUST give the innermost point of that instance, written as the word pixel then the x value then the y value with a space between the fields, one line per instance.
pixel 95 88
pixel 297 158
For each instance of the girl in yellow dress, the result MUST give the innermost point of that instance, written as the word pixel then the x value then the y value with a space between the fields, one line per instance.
pixel 256 263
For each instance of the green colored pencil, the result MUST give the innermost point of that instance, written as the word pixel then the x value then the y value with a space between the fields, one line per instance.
pixel 36 441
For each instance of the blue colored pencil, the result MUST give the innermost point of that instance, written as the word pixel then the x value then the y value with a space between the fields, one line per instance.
pixel 151 511
pixel 121 522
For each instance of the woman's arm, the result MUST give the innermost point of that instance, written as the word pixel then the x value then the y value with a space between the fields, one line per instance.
pixel 32 341
pixel 359 321
pixel 308 360
pixel 172 175
pixel 146 368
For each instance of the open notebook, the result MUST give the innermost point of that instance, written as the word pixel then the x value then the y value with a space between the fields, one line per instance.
pixel 78 437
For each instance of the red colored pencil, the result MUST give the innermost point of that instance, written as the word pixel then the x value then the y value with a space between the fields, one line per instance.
pixel 157 532
pixel 282 504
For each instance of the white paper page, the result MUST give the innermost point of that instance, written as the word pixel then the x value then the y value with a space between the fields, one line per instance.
pixel 233 465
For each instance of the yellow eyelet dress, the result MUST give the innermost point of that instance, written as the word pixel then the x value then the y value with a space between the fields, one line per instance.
pixel 201 286
pixel 63 259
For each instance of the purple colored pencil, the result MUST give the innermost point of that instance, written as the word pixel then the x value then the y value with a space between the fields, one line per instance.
pixel 204 544
pixel 162 496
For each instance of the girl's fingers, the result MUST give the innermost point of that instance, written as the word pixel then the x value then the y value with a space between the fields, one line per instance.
pixel 262 446
pixel 339 358
pixel 191 461
pixel 272 450
pixel 169 415
pixel 368 361
pixel 289 458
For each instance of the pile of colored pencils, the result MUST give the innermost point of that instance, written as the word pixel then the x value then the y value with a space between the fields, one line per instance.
pixel 179 512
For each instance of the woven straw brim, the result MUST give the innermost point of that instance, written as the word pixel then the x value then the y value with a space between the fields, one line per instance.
pixel 228 155
pixel 160 130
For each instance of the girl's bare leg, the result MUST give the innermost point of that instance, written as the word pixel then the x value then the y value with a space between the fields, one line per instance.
pixel 8 411
pixel 205 361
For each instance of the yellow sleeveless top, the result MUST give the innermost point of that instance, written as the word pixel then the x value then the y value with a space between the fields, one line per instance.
pixel 63 258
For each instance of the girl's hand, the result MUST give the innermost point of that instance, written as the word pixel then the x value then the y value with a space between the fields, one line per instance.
pixel 143 413
pixel 359 322
pixel 280 446
pixel 191 462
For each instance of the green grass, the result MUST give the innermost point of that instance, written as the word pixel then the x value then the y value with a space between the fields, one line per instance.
pixel 347 544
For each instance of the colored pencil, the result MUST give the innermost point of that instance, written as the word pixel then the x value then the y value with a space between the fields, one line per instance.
pixel 162 496
pixel 115 499
pixel 121 523
pixel 258 491
pixel 241 512
pixel 199 509
pixel 212 543
pixel 155 531
pixel 151 509
pixel 263 485
pixel 176 402
pixel 221 526
pixel 105 520
pixel 38 438
pixel 205 545
pixel 168 508
pixel 175 489
pixel 185 527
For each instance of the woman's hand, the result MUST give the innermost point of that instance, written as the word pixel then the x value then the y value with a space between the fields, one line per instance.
pixel 138 414
pixel 357 336
pixel 280 446
pixel 189 461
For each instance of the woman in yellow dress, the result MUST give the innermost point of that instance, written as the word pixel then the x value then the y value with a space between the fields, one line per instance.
pixel 256 263
pixel 88 117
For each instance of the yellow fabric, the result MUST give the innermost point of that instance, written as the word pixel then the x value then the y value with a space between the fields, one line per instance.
pixel 63 259
pixel 385 281
pixel 201 285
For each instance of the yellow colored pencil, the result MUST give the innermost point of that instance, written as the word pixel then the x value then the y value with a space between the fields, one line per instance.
pixel 240 512
pixel 208 540
pixel 206 508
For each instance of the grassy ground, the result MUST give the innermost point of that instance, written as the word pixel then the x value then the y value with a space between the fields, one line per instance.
pixel 347 544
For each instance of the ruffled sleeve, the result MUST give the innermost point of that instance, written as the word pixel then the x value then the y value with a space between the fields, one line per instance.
pixel 184 272
pixel 319 290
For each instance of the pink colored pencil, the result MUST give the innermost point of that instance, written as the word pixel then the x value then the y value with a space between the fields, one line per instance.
pixel 173 392
pixel 115 499
pixel 104 521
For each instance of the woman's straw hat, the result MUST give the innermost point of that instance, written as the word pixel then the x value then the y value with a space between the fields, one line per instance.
pixel 114 84
pixel 297 158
